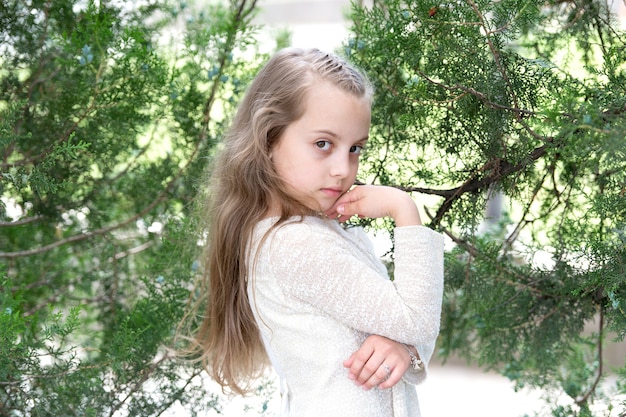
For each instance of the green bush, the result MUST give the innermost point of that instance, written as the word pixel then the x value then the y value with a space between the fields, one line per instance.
pixel 109 114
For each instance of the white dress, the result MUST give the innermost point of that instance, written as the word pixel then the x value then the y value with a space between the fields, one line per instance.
pixel 317 291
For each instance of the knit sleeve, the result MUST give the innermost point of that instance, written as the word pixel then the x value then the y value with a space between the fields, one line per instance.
pixel 315 265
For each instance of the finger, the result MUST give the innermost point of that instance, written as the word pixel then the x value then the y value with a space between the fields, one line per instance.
pixel 382 374
pixel 342 218
pixel 394 378
pixel 371 369
pixel 349 209
pixel 332 213
pixel 358 363
pixel 348 362
pixel 348 203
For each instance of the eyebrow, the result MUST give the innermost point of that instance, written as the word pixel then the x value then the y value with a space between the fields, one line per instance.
pixel 334 135
pixel 326 132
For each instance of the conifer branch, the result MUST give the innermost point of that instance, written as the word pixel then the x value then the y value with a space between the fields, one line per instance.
pixel 243 11
pixel 495 52
pixel 496 169
pixel 22 221
pixel 519 281
pixel 584 399
pixel 88 235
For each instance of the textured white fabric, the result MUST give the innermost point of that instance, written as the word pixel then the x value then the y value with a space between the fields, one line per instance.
pixel 318 290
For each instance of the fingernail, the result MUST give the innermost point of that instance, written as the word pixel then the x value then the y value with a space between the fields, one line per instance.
pixel 340 209
pixel 351 376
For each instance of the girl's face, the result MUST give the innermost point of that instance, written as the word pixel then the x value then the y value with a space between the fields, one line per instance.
pixel 318 154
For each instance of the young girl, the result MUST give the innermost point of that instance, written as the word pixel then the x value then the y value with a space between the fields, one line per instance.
pixel 286 280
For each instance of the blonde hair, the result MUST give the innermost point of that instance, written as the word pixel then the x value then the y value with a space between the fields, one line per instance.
pixel 243 185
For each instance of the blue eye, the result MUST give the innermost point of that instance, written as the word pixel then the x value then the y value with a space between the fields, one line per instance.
pixel 323 144
pixel 356 149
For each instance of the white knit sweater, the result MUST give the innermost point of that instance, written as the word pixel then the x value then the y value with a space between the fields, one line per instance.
pixel 317 291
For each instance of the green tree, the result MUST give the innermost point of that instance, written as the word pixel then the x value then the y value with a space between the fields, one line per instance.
pixel 109 112
pixel 523 99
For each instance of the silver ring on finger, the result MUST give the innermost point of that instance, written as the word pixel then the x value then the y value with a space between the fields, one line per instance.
pixel 388 370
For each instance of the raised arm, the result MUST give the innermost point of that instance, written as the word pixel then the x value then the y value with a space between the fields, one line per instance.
pixel 374 202
pixel 315 264
pixel 379 361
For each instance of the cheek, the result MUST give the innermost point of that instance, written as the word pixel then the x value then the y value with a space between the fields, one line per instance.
pixel 287 170
pixel 280 159
pixel 355 166
pixel 281 170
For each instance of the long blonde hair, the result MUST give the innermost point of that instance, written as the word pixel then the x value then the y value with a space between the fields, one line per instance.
pixel 243 184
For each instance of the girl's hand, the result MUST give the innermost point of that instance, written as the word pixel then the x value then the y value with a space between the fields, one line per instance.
pixel 378 362
pixel 375 201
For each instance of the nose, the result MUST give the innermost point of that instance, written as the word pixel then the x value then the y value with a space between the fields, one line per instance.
pixel 341 165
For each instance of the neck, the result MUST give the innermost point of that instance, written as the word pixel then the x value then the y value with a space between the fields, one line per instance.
pixel 277 208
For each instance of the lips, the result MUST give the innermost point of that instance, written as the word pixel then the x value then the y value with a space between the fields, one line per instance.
pixel 332 192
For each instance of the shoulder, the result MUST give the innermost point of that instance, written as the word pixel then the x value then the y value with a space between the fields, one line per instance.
pixel 298 236
pixel 299 227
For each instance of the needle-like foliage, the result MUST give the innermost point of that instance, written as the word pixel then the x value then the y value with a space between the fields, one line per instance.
pixel 109 114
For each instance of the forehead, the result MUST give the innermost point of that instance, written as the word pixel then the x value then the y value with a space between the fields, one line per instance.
pixel 328 98
pixel 328 108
